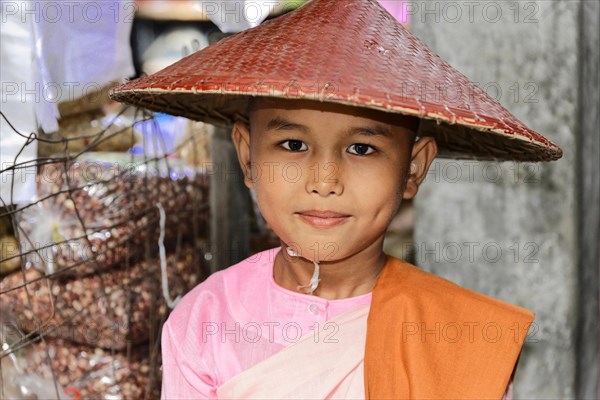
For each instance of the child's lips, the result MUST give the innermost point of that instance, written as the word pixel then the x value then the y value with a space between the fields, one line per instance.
pixel 323 219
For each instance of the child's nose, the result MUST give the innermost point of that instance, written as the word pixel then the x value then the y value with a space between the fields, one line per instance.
pixel 324 179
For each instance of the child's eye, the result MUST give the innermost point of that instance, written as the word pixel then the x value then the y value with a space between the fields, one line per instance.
pixel 294 145
pixel 360 149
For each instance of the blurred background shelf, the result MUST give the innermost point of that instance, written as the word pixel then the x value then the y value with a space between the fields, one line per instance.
pixel 192 10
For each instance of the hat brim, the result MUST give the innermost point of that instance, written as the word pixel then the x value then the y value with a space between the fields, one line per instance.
pixel 476 137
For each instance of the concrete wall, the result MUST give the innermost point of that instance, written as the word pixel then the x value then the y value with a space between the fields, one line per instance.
pixel 509 230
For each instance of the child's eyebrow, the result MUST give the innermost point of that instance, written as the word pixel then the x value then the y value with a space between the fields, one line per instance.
pixel 280 124
pixel 376 130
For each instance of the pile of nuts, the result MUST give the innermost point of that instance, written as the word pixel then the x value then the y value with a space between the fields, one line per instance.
pixel 109 311
pixel 91 371
pixel 98 295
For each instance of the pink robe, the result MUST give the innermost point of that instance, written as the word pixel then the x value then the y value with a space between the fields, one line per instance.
pixel 232 321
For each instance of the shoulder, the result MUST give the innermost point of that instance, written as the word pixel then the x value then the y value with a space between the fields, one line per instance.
pixel 402 282
pixel 452 342
pixel 214 299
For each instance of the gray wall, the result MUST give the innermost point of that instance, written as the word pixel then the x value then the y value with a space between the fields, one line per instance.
pixel 509 230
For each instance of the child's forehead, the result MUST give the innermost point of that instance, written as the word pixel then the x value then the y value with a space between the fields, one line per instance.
pixel 269 107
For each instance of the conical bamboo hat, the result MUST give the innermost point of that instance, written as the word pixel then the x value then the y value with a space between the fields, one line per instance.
pixel 351 52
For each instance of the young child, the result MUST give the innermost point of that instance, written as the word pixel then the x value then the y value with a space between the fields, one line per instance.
pixel 334 123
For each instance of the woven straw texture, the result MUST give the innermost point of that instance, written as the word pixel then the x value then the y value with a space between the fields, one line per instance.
pixel 351 52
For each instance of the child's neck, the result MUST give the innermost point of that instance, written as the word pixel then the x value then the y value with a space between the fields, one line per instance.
pixel 350 277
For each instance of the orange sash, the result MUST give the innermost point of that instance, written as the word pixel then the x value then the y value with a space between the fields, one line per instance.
pixel 428 338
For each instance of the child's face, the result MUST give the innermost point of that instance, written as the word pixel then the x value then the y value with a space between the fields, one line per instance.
pixel 330 178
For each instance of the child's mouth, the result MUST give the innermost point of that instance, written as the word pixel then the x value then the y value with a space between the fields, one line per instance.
pixel 323 219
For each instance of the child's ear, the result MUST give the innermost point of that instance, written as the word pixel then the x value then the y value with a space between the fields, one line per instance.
pixel 240 134
pixel 423 153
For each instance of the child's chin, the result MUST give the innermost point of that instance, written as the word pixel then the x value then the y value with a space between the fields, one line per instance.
pixel 319 250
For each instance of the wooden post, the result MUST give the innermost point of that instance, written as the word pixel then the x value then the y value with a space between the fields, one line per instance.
pixel 229 205
pixel 588 193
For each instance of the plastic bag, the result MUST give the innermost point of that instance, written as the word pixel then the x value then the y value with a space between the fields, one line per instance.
pixel 93 38
pixel 16 74
pixel 96 214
